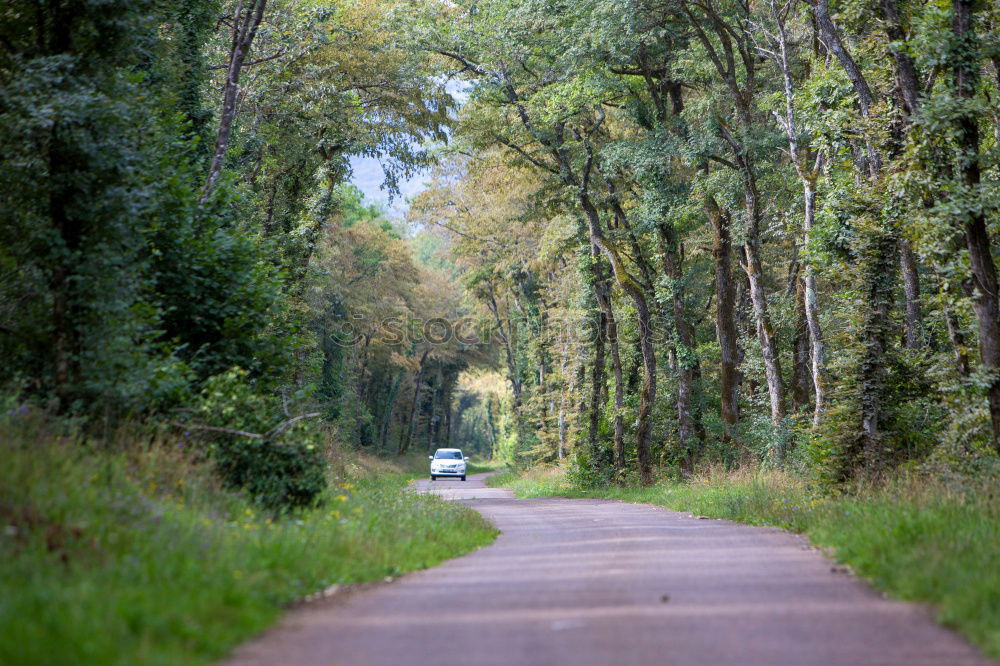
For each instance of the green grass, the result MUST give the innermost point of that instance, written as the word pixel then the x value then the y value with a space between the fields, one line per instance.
pixel 917 540
pixel 480 466
pixel 138 557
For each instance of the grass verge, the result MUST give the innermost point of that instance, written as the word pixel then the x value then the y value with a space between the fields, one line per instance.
pixel 914 539
pixel 137 556
pixel 480 466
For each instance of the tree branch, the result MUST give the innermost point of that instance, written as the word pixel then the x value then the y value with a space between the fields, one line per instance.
pixel 287 424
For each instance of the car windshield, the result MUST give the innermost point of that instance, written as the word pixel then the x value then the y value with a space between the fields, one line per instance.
pixel 448 455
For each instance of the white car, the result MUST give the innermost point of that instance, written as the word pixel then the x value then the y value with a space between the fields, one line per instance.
pixel 448 462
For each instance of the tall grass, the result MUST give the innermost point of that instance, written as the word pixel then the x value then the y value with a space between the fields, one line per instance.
pixel 136 555
pixel 916 538
pixel 480 466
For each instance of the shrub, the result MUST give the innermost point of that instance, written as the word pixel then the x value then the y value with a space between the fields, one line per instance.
pixel 276 460
pixel 275 474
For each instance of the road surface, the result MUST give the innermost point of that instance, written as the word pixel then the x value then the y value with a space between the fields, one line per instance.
pixel 599 583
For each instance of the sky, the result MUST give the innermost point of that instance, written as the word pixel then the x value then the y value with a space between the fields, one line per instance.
pixel 368 177
pixel 367 171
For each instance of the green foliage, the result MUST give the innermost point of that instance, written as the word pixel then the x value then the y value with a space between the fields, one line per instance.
pixel 283 466
pixel 275 474
pixel 73 186
pixel 125 290
pixel 117 552
pixel 221 302
pixel 586 472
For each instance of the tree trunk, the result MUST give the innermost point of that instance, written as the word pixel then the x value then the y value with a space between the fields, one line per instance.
pixel 956 336
pixel 446 408
pixel 611 328
pixel 644 325
pixel 491 430
pixel 908 85
pixel 807 175
pixel 754 269
pixel 831 36
pixel 688 366
pixel 597 370
pixel 513 375
pixel 911 289
pixel 618 425
pixel 985 303
pixel 434 424
pixel 725 321
pixel 765 331
pixel 957 339
pixel 458 423
pixel 816 343
pixel 802 387
pixel 360 390
pixel 411 419
pixel 561 451
pixel 246 20
pixel 880 280
pixel 906 72
pixel 563 395
pixel 387 413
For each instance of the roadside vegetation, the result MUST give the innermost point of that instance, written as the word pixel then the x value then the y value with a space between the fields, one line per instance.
pixel 916 538
pixel 204 414
pixel 118 552
pixel 480 466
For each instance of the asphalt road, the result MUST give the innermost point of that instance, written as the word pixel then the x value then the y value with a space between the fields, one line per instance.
pixel 599 583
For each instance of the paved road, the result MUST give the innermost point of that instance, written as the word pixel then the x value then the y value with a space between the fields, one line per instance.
pixel 598 583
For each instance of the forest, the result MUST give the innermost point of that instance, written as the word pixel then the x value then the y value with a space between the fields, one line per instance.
pixel 681 231
pixel 775 218
pixel 654 237
pixel 182 247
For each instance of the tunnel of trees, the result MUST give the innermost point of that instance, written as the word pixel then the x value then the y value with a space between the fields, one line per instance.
pixel 656 233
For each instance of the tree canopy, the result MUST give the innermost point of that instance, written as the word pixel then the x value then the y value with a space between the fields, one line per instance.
pixel 655 234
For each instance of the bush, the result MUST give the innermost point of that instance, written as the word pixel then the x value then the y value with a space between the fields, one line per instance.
pixel 278 461
pixel 586 472
pixel 119 550
pixel 275 474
